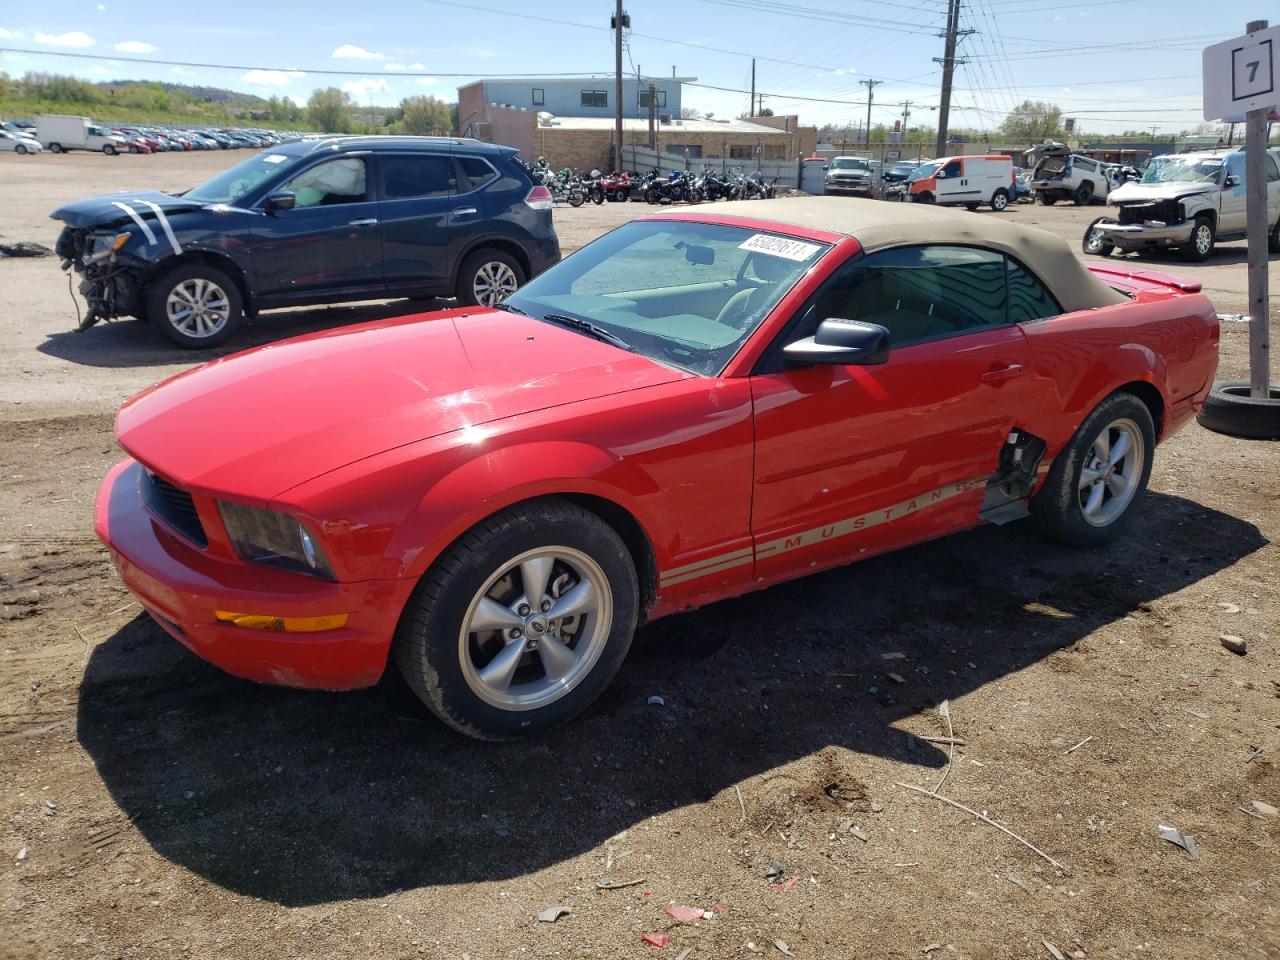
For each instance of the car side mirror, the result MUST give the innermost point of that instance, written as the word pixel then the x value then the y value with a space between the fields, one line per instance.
pixel 841 342
pixel 1231 181
pixel 279 201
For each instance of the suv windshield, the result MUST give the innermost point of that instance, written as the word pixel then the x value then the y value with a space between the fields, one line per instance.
pixel 1183 170
pixel 685 294
pixel 235 182
pixel 850 163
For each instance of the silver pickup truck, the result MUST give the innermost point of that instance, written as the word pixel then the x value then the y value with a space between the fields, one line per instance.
pixel 1189 201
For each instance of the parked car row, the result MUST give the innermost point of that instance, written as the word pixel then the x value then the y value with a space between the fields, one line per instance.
pixel 59 133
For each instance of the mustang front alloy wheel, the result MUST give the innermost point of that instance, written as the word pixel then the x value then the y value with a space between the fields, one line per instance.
pixel 523 621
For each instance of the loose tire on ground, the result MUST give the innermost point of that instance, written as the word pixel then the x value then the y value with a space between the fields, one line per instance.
pixel 1231 410
pixel 456 670
pixel 195 305
pixel 488 277
pixel 1061 510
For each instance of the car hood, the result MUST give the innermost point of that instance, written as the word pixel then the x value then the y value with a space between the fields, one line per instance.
pixel 258 423
pixel 1144 192
pixel 105 210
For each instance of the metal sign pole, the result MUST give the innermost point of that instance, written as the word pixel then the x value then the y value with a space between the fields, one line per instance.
pixel 1255 139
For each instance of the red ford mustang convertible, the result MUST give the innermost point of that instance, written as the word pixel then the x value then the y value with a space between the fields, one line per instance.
pixel 693 406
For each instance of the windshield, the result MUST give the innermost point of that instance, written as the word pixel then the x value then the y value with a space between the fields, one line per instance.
pixel 927 170
pixel 686 294
pixel 234 183
pixel 1183 170
pixel 850 163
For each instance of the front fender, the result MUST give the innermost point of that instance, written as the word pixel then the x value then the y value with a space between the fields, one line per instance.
pixel 487 484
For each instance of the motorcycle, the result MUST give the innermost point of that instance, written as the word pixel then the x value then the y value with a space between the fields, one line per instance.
pixel 593 187
pixel 617 187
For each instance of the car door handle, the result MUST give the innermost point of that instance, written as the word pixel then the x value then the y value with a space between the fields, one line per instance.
pixel 366 222
pixel 1002 374
pixel 465 212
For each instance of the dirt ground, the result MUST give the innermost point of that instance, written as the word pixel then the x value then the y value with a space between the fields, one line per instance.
pixel 153 807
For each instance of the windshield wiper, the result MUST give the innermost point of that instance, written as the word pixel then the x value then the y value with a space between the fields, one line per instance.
pixel 589 328
pixel 510 308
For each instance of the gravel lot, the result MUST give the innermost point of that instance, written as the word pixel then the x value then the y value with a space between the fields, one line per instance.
pixel 154 807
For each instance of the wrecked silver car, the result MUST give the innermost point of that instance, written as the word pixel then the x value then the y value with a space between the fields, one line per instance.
pixel 1187 201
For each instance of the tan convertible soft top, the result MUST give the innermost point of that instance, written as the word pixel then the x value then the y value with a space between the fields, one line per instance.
pixel 877 225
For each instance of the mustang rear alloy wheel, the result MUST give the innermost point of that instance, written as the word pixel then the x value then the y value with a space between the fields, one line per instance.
pixel 1094 482
pixel 488 277
pixel 522 623
pixel 195 305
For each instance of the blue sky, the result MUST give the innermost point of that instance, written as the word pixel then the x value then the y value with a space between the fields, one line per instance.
pixel 1115 64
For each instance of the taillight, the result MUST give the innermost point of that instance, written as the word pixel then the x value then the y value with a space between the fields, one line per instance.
pixel 539 198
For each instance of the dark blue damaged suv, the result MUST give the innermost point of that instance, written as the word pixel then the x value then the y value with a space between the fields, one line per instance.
pixel 312 221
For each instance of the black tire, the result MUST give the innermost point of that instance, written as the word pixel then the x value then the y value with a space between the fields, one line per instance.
pixel 428 643
pixel 1273 238
pixel 1231 410
pixel 575 198
pixel 472 282
pixel 55 148
pixel 1083 195
pixel 1198 249
pixel 924 198
pixel 1046 198
pixel 1095 245
pixel 652 196
pixel 19 149
pixel 109 149
pixel 971 207
pixel 1056 510
pixel 999 200
pixel 157 298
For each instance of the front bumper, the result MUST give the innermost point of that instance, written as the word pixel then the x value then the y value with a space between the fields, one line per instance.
pixel 181 585
pixel 1143 236
pixel 849 186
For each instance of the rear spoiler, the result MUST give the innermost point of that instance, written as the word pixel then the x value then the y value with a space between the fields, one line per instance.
pixel 1136 280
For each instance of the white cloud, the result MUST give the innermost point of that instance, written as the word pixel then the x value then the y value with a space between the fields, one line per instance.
pixel 365 86
pixel 349 51
pixel 428 81
pixel 10 34
pixel 393 66
pixel 270 78
pixel 101 7
pixel 135 46
pixel 297 100
pixel 73 39
pixel 416 66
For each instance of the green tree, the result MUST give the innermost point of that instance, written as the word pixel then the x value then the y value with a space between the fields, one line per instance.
pixel 425 116
pixel 1033 120
pixel 330 110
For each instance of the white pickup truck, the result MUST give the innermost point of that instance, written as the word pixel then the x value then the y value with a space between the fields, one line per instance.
pixel 1189 201
pixel 60 132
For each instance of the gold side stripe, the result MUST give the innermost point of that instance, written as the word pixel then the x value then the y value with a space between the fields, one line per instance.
pixel 815 535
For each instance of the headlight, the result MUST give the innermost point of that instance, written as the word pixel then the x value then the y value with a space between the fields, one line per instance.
pixel 104 244
pixel 275 539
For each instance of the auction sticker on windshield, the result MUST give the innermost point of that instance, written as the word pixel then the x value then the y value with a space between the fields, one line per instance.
pixel 275 158
pixel 796 250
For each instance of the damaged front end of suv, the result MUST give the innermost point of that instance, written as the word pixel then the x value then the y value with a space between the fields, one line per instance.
pixel 117 244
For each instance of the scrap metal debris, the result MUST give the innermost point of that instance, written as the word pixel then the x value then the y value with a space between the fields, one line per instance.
pixel 552 914
pixel 685 914
pixel 1264 808
pixel 1053 951
pixel 656 939
pixel 783 948
pixel 1179 839
pixel 604 883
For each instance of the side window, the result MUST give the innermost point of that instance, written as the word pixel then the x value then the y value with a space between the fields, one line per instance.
pixel 539 96
pixel 332 182
pixel 408 175
pixel 950 170
pixel 1235 166
pixel 1085 164
pixel 595 98
pixel 1029 299
pixel 916 293
pixel 1273 172
pixel 475 174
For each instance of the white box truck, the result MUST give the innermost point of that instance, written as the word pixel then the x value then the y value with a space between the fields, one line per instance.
pixel 58 132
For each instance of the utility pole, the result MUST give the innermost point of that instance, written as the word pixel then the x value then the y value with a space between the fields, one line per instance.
pixel 871 95
pixel 949 62
pixel 619 21
pixel 653 112
pixel 751 109
pixel 906 112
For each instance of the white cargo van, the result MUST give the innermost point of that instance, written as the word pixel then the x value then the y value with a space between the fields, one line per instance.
pixel 983 178
pixel 59 132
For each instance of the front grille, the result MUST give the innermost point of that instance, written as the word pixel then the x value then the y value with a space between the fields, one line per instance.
pixel 1165 211
pixel 175 507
